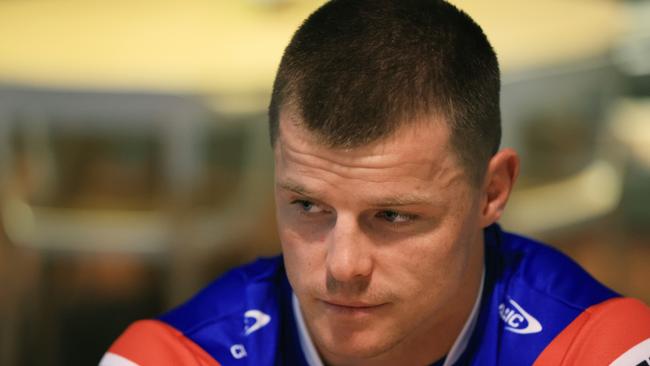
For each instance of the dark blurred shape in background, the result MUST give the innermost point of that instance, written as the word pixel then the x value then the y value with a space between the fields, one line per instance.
pixel 135 164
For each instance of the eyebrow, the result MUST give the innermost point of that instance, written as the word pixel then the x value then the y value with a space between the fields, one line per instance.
pixel 407 199
pixel 295 187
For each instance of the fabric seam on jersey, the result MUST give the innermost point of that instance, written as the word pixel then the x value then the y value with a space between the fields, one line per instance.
pixel 183 339
pixel 519 275
pixel 211 320
pixel 575 337
pixel 203 324
pixel 562 301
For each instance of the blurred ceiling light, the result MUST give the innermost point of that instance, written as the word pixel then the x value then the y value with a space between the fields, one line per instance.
pixel 271 3
pixel 212 46
pixel 633 51
pixel 587 195
pixel 631 125
pixel 18 219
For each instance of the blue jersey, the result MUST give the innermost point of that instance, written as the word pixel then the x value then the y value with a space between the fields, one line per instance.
pixel 536 306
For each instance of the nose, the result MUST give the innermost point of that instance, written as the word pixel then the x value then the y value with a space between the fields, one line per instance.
pixel 349 253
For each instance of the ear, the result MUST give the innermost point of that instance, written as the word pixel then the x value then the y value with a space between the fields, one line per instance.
pixel 500 177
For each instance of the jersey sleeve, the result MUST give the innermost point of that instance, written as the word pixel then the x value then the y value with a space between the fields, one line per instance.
pixel 615 332
pixel 152 342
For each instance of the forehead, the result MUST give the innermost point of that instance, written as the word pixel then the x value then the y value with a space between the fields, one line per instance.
pixel 419 151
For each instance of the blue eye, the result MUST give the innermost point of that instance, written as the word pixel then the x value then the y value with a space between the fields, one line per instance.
pixel 307 206
pixel 394 216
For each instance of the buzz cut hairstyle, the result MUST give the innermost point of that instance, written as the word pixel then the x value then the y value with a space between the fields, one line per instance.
pixel 357 70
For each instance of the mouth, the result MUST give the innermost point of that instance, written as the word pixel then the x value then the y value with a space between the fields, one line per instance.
pixel 352 308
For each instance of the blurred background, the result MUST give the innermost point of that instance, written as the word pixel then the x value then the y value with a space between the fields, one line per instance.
pixel 135 164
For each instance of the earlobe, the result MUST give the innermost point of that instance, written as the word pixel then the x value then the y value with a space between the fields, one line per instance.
pixel 500 177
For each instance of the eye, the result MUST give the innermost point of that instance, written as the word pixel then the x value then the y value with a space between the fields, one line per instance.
pixel 395 217
pixel 307 207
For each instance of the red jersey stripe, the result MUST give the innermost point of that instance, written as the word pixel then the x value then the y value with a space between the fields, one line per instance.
pixel 152 342
pixel 601 334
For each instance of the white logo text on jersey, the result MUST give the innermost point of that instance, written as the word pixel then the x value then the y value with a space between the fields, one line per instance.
pixel 259 319
pixel 517 319
pixel 254 320
pixel 638 355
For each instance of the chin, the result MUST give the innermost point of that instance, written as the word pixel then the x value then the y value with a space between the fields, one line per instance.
pixel 357 345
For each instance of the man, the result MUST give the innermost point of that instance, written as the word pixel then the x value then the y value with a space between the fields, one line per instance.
pixel 385 126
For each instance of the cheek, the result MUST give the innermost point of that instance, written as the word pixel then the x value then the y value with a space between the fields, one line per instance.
pixel 428 268
pixel 302 260
pixel 438 260
pixel 293 226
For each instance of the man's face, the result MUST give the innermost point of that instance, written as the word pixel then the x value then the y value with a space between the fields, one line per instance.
pixel 382 244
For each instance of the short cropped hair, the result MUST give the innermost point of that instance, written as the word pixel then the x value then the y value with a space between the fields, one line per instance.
pixel 356 70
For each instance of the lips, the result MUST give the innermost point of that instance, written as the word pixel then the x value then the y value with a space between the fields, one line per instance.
pixel 350 304
pixel 352 308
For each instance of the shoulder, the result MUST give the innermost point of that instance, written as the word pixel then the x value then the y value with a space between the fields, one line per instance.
pixel 250 285
pixel 533 292
pixel 547 273
pixel 615 332
pixel 236 316
pixel 152 342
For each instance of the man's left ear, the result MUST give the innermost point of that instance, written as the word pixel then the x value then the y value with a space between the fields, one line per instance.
pixel 500 177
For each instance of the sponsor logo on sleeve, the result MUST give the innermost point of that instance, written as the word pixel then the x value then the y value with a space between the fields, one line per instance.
pixel 517 319
pixel 238 351
pixel 254 320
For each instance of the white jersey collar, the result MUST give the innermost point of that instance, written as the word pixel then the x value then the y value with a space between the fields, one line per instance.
pixel 307 345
